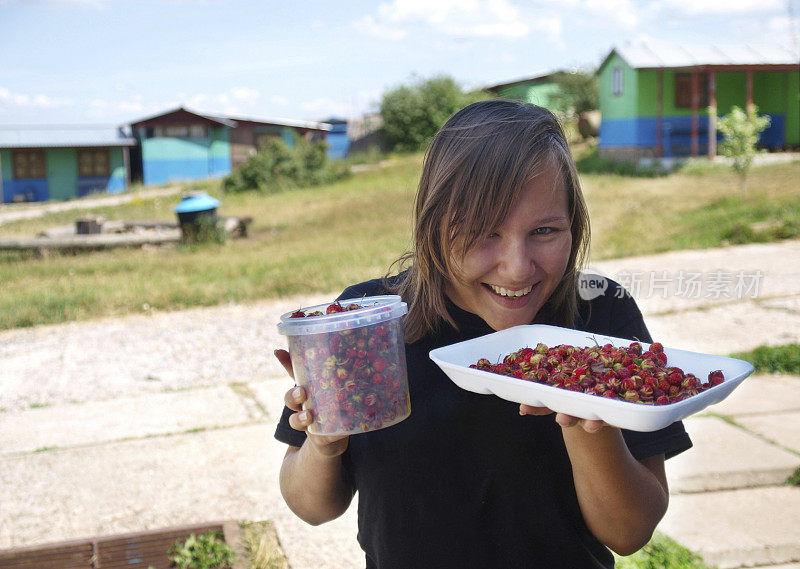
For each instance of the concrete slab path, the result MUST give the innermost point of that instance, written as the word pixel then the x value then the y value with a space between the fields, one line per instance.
pixel 151 420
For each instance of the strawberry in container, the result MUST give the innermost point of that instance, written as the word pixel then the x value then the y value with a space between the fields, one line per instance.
pixel 350 358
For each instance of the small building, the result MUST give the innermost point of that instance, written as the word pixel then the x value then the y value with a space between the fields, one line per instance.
pixel 664 100
pixel 337 138
pixel 182 145
pixel 536 90
pixel 44 163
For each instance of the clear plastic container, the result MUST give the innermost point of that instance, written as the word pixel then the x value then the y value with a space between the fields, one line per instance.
pixel 352 364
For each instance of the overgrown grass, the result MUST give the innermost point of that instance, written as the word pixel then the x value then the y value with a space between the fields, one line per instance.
pixel 695 210
pixel 300 242
pixel 773 359
pixel 318 240
pixel 662 553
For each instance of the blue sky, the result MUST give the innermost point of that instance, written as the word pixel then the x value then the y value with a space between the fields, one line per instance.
pixel 115 61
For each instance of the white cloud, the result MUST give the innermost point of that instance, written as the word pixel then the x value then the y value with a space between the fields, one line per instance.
pixel 712 7
pixel 278 100
pixel 465 18
pixel 37 101
pixel 104 4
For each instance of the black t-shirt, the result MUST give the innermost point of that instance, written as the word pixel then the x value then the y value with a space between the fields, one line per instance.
pixel 465 481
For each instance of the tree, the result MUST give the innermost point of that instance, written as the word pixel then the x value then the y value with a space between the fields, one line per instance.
pixel 413 113
pixel 741 131
pixel 578 92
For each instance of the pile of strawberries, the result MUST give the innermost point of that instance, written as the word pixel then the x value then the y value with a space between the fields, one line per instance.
pixel 624 373
pixel 355 378
pixel 331 309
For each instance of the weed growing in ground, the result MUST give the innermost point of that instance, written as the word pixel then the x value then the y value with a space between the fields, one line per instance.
pixel 662 553
pixel 205 551
pixel 773 359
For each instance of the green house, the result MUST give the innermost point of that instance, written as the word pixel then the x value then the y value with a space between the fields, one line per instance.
pixel 664 100
pixel 536 90
pixel 40 163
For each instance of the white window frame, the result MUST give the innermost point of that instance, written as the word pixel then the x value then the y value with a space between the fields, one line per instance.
pixel 617 81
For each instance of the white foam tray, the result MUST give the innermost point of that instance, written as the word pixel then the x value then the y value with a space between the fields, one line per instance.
pixel 455 360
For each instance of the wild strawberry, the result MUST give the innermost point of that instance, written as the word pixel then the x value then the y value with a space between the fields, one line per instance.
pixel 335 307
pixel 298 314
pixel 715 377
pixel 657 348
pixel 631 395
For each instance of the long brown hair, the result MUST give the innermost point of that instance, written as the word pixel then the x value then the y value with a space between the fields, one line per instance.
pixel 473 172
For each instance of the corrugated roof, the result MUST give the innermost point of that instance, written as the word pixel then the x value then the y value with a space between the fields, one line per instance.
pixel 545 76
pixel 230 121
pixel 33 136
pixel 652 54
pixel 278 121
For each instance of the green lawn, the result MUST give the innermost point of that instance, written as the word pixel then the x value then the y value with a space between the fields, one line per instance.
pixel 324 238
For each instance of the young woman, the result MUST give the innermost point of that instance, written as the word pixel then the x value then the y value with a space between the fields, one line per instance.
pixel 501 231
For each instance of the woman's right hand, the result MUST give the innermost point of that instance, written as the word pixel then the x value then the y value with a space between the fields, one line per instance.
pixel 326 445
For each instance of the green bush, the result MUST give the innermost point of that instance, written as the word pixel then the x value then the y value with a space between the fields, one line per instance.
pixel 773 359
pixel 578 92
pixel 412 114
pixel 276 167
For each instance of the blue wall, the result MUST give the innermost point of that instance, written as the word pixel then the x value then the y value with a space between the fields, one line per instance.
pixel 35 189
pixel 178 169
pixel 338 144
pixel 676 133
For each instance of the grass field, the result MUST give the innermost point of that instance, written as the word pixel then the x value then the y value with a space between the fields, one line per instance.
pixel 322 239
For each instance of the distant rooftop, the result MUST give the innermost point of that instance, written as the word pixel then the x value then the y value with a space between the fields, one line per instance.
pixel 62 136
pixel 538 78
pixel 662 54
pixel 231 121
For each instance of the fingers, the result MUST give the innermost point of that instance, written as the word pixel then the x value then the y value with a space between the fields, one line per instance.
pixel 530 410
pixel 294 398
pixel 588 425
pixel 566 421
pixel 300 421
pixel 286 361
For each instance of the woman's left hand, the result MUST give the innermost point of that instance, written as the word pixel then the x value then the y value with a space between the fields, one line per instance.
pixel 566 421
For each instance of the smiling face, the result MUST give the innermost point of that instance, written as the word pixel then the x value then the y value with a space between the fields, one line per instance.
pixel 508 276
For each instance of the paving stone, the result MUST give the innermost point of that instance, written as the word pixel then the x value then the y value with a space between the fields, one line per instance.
pixel 783 428
pixel 67 425
pixel 724 329
pixel 270 393
pixel 726 457
pixel 761 393
pixel 777 263
pixel 161 482
pixel 738 528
